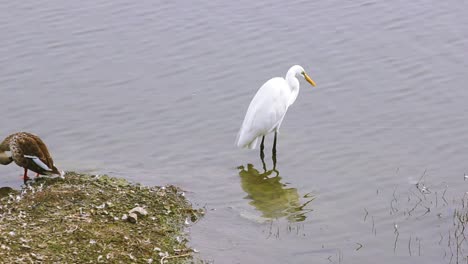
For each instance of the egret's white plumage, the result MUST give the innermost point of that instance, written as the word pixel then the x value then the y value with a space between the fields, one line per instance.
pixel 269 106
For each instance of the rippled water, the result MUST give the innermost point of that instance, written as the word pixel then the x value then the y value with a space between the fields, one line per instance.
pixel 156 91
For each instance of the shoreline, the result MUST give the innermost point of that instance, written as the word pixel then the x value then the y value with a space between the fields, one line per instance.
pixel 95 219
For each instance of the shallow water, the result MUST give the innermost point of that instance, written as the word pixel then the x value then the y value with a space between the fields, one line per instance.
pixel 156 91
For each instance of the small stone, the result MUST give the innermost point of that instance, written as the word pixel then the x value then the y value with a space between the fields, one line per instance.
pixel 124 217
pixel 37 257
pixel 132 217
pixel 163 254
pixel 42 246
pixel 139 210
pixel 25 246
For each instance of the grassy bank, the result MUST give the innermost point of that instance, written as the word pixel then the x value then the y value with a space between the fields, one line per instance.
pixel 89 219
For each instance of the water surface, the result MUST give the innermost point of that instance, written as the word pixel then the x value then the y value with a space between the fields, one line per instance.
pixel 156 91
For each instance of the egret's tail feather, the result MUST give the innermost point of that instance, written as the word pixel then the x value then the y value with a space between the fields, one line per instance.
pixel 246 140
pixel 253 144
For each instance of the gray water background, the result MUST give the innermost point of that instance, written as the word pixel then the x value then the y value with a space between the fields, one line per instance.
pixel 155 91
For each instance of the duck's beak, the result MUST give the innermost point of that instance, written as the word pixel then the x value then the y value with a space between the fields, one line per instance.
pixel 309 80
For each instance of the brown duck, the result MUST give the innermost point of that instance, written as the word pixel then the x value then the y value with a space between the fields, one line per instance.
pixel 27 151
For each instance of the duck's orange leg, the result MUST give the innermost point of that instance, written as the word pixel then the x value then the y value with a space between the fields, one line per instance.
pixel 25 176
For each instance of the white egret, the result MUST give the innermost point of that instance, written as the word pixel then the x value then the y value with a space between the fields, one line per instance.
pixel 268 108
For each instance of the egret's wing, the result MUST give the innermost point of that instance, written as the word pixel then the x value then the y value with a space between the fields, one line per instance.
pixel 265 111
pixel 38 162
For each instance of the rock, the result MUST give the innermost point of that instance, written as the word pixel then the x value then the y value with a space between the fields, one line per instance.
pixel 124 217
pixel 139 210
pixel 132 217
pixel 37 257
pixel 25 246
pixel 42 245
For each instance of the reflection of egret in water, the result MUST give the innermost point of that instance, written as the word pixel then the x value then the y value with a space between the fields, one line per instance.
pixel 271 197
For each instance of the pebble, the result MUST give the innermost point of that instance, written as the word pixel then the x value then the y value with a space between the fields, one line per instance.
pixel 4 247
pixel 37 256
pixel 25 246
pixel 132 217
pixel 139 210
pixel 42 245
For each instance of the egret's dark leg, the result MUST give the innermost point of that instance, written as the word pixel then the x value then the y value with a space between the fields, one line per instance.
pixel 274 152
pixel 262 154
pixel 262 145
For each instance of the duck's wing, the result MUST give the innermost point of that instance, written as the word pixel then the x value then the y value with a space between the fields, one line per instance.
pixel 45 152
pixel 38 162
pixel 30 154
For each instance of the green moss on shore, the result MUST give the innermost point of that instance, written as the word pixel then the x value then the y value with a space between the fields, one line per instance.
pixel 82 219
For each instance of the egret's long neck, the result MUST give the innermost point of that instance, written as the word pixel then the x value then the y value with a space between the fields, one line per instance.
pixel 293 83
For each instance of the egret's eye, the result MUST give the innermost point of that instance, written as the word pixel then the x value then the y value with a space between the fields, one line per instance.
pixel 303 73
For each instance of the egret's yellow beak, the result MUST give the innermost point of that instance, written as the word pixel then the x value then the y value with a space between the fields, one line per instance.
pixel 309 80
